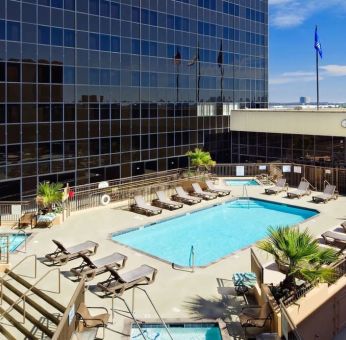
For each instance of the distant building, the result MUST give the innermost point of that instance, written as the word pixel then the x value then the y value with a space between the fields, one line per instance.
pixel 304 100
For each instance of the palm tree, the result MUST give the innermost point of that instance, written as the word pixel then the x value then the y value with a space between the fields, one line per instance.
pixel 300 253
pixel 49 194
pixel 200 159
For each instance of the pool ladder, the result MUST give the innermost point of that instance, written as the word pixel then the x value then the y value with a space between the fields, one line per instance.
pixel 131 310
pixel 245 195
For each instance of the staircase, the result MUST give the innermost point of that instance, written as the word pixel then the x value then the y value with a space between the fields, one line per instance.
pixel 31 307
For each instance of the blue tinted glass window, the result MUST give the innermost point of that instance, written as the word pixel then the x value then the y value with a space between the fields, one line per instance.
pixel 153 18
pixel 69 38
pixel 153 79
pixel 104 8
pixel 170 51
pixel 145 47
pixel 136 47
pixel 115 44
pixel 13 30
pixel 57 3
pixel 43 35
pixel 94 7
pixel 94 41
pixel 115 77
pixel 212 30
pixel 135 14
pixel 185 24
pixel 105 77
pixel 105 42
pixel 94 76
pixel 135 78
pixel 200 27
pixel 69 4
pixel 69 77
pixel 2 29
pixel 145 16
pixel 153 48
pixel 170 21
pixel 115 11
pixel 56 36
pixel 145 79
pixel 177 23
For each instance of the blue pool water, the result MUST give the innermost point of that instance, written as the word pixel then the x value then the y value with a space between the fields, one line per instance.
pixel 239 182
pixel 178 332
pixel 213 232
pixel 15 240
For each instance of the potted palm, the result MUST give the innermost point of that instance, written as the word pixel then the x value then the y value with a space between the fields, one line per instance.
pixel 48 195
pixel 200 159
pixel 299 256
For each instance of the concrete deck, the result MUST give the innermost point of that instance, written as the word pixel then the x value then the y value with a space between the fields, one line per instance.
pixel 177 294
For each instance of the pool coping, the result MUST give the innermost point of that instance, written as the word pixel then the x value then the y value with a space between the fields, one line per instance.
pixel 218 322
pixel 176 266
pixel 30 236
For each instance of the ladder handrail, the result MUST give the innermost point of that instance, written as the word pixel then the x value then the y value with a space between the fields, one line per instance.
pixel 22 297
pixel 2 278
pixel 22 231
pixel 157 312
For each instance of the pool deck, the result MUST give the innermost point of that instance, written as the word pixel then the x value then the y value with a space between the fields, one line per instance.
pixel 177 294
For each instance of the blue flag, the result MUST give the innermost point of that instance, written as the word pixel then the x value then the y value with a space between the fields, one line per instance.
pixel 317 45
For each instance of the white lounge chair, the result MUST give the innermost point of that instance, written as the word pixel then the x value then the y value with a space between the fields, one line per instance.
pixel 328 194
pixel 184 197
pixel 164 202
pixel 117 283
pixel 277 188
pixel 203 194
pixel 302 190
pixel 212 188
pixel 90 268
pixel 335 238
pixel 142 207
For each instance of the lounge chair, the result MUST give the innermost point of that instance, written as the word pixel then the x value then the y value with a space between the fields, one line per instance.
pixel 202 194
pixel 343 225
pixel 332 238
pixel 163 202
pixel 302 190
pixel 184 197
pixel 142 207
pixel 86 320
pixel 277 188
pixel 255 316
pixel 212 188
pixel 29 218
pixel 328 194
pixel 62 255
pixel 90 268
pixel 45 220
pixel 117 283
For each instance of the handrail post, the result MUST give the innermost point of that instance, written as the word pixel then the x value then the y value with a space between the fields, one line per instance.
pixel 192 257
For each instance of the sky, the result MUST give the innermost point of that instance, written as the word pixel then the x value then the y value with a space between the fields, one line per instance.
pixel 292 59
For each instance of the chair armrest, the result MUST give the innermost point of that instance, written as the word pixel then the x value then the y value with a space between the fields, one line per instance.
pixel 93 319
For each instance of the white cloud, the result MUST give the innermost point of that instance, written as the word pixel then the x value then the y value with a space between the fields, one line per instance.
pixel 291 13
pixel 326 71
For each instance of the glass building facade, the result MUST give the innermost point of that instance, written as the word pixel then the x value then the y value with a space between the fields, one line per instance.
pixel 93 90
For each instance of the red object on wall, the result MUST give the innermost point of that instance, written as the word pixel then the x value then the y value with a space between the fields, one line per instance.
pixel 71 194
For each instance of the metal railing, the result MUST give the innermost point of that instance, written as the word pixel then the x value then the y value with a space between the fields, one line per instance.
pixel 339 268
pixel 23 296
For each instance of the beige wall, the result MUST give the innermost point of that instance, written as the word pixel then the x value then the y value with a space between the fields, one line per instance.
pixel 310 122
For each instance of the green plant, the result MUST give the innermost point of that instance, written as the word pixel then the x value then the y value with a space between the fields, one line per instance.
pixel 300 253
pixel 49 194
pixel 200 159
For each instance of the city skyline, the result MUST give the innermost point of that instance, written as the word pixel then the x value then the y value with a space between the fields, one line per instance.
pixel 292 71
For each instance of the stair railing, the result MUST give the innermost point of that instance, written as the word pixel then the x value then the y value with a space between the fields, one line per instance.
pixel 24 295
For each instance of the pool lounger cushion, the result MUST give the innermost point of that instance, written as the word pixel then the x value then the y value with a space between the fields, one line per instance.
pixel 212 188
pixel 62 254
pixel 117 283
pixel 142 207
pixel 184 197
pixel 328 194
pixel 302 190
pixel 163 202
pixel 279 187
pixel 334 236
pixel 202 194
pixel 90 268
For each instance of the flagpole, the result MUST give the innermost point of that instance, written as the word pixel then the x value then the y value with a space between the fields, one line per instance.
pixel 317 83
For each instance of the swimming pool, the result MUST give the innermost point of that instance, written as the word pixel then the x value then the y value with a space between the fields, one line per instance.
pixel 239 182
pixel 213 232
pixel 178 331
pixel 15 241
